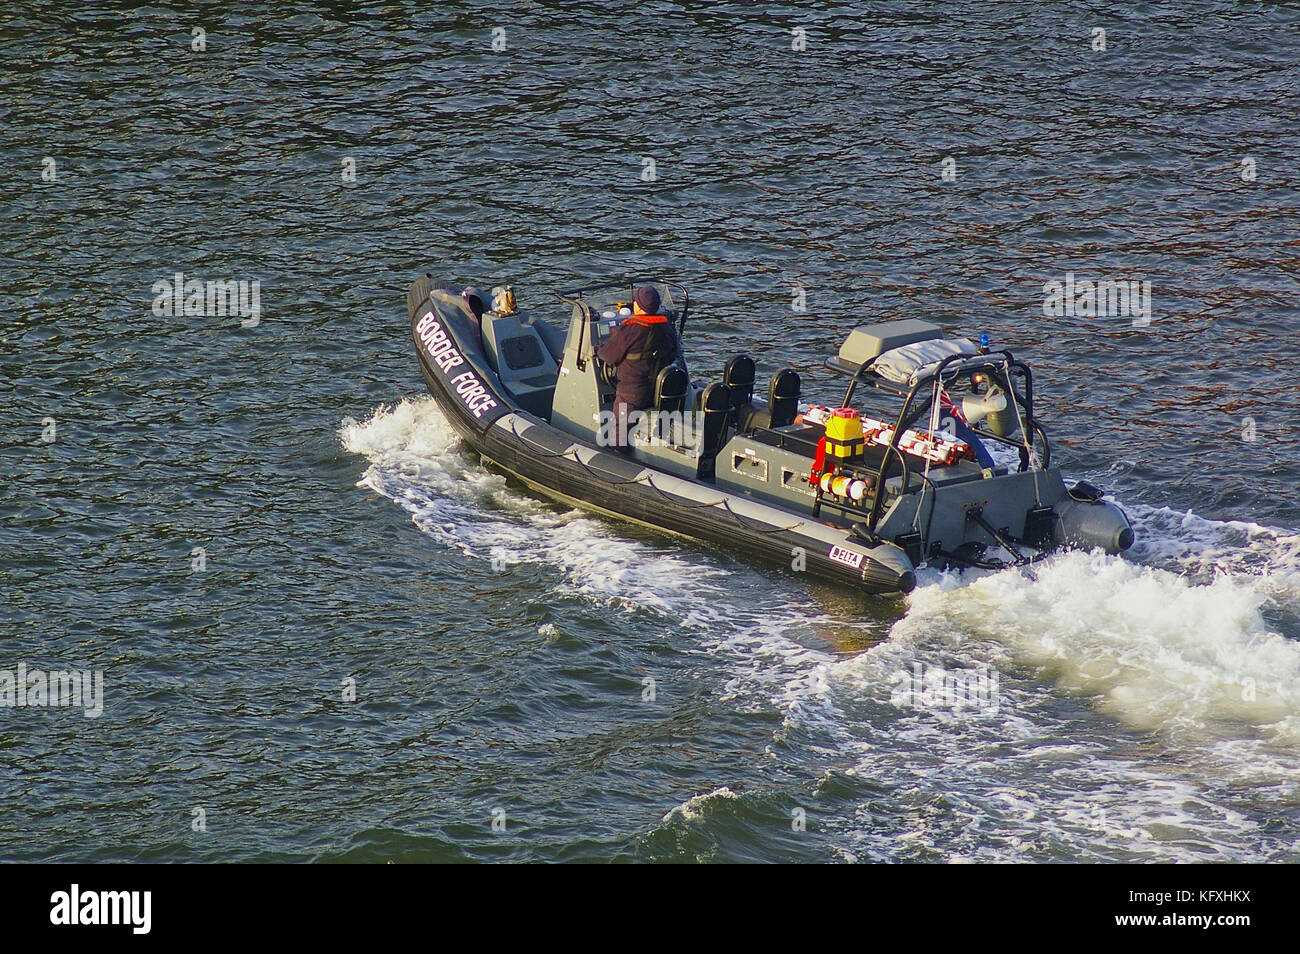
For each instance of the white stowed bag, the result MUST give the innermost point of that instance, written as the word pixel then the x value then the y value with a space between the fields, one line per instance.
pixel 906 365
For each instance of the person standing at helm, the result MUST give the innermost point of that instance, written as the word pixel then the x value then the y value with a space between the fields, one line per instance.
pixel 636 350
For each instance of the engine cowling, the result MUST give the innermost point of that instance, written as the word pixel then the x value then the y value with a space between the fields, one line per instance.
pixel 1086 525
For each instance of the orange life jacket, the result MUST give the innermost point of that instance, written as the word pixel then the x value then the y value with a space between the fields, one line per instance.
pixel 645 321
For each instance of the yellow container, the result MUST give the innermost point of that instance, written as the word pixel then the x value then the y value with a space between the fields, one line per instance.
pixel 844 436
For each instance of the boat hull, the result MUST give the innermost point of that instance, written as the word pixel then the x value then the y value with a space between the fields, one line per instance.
pixel 556 464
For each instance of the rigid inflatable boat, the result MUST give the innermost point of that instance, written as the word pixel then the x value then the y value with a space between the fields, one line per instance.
pixel 934 455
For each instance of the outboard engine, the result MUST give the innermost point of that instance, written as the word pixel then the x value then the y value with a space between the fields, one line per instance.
pixel 1084 521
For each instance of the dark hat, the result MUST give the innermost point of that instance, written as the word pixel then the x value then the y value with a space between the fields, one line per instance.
pixel 473 300
pixel 647 298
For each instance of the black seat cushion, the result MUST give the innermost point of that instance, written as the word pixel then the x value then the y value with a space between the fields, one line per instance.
pixel 715 405
pixel 783 397
pixel 671 386
pixel 738 374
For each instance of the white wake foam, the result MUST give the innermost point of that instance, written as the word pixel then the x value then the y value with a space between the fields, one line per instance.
pixel 416 461
pixel 1153 648
pixel 1189 638
pixel 1182 644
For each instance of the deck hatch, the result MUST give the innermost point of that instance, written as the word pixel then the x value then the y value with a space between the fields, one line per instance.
pixel 753 467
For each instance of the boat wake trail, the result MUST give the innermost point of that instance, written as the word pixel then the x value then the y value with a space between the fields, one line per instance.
pixel 1190 657
pixel 1152 647
pixel 1132 708
pixel 773 636
pixel 416 461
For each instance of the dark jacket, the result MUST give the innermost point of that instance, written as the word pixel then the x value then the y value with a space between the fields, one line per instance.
pixel 629 351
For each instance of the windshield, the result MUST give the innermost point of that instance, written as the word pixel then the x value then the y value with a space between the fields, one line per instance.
pixel 609 298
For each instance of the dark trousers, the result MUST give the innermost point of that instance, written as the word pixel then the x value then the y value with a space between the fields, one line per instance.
pixel 622 408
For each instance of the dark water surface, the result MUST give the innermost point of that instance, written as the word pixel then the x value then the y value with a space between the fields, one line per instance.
pixel 1148 707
